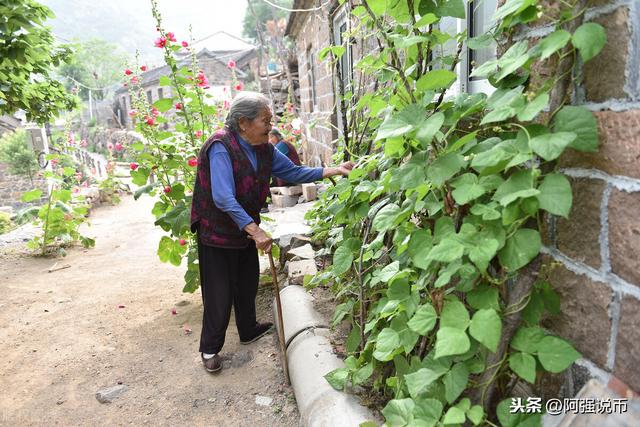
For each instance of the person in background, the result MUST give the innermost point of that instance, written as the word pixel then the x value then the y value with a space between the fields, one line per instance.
pixel 286 148
pixel 232 184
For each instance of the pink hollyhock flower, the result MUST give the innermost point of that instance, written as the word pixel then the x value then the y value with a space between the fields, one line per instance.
pixel 193 162
pixel 201 79
pixel 76 190
pixel 183 242
pixel 155 112
pixel 178 106
pixel 198 133
pixel 128 72
pixel 83 143
pixel 132 112
pixel 109 146
pixel 239 86
pixel 231 64
pixel 134 80
pixel 133 166
pixel 226 105
pixel 296 132
pixel 167 189
pixel 160 42
pixel 150 121
pixel 171 36
pixel 85 184
pixel 118 146
pixel 54 162
pixel 78 177
pixel 143 67
pixel 184 44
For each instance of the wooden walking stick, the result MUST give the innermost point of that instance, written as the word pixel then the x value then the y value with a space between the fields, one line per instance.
pixel 283 345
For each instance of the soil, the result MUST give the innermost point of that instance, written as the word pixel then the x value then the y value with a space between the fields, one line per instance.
pixel 107 320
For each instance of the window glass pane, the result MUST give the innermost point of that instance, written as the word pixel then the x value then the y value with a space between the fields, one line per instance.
pixel 483 11
pixel 445 52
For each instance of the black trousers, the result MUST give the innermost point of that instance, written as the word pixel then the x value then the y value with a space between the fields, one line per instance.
pixel 227 277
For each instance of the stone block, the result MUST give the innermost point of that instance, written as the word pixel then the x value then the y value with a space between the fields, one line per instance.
pixel 276 190
pixel 579 236
pixel 282 201
pixel 309 192
pixel 604 75
pixel 299 269
pixel 627 361
pixel 624 235
pixel 584 313
pixel 294 190
pixel 619 151
pixel 303 252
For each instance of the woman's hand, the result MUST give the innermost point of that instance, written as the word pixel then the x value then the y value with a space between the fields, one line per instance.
pixel 258 235
pixel 344 169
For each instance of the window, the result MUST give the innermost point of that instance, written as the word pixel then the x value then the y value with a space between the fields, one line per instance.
pixel 149 96
pixel 160 93
pixel 345 63
pixel 311 67
pixel 479 22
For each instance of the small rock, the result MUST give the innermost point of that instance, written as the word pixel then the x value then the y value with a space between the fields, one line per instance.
pixel 60 402
pixel 304 252
pixel 107 395
pixel 211 400
pixel 299 269
pixel 263 400
pixel 182 303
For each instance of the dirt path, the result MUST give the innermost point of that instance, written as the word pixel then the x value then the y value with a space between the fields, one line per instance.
pixel 63 338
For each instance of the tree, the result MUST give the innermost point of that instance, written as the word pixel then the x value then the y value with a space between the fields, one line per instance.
pixel 28 54
pixel 263 12
pixel 15 151
pixel 95 63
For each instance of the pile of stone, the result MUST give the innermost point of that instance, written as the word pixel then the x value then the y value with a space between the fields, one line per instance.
pixel 285 197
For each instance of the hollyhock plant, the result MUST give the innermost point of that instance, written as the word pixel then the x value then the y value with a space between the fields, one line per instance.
pixel 183 242
pixel 184 44
pixel 150 121
pixel 178 106
pixel 171 36
pixel 134 80
pixel 198 133
pixel 238 86
pixel 133 166
pixel 231 64
pixel 160 42
pixel 128 72
pixel 109 146
pixel 118 146
pixel 193 162
pixel 155 112
pixel 167 189
pixel 143 68
pixel 132 112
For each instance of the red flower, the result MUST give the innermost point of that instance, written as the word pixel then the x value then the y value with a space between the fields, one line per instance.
pixel 143 67
pixel 150 121
pixel 198 133
pixel 133 166
pixel 239 86
pixel 155 112
pixel 178 106
pixel 134 80
pixel 128 72
pixel 160 42
pixel 167 189
pixel 201 79
pixel 193 162
pixel 118 146
pixel 184 44
pixel 183 242
pixel 171 36
pixel 231 64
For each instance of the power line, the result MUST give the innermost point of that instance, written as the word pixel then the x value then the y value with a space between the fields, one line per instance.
pixel 296 10
pixel 88 87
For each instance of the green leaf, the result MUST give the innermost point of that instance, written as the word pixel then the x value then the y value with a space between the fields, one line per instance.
pixel 387 342
pixel 436 79
pixel 451 341
pixel 353 340
pixel 484 296
pixel 555 195
pixel 453 416
pixel 454 8
pixel 163 105
pixel 389 271
pixel 589 39
pixel 467 188
pixel 399 412
pixel 518 419
pixel 580 121
pixel 342 260
pixel 527 339
pixel 534 108
pixel 552 43
pixel 475 414
pixel 363 374
pixel 423 320
pixel 520 249
pixel 454 315
pixel 420 244
pixel 171 251
pixel 428 128
pixel 556 354
pixel 524 365
pixel 419 381
pixel 394 125
pixel 519 185
pixel 515 57
pixel 448 250
pixel 455 381
pixel 337 378
pixel 143 190
pixel 549 146
pixel 444 167
pixel 386 217
pixel 31 195
pixel 486 327
pixel 165 81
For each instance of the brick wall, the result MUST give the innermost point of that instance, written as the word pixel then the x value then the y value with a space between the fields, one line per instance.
pixel 598 249
pixel 12 187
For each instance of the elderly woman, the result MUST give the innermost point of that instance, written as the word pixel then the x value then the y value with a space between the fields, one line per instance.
pixel 234 168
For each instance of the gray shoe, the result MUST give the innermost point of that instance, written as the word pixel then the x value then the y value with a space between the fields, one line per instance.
pixel 212 365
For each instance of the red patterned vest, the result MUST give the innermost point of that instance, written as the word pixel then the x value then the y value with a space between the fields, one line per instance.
pixel 292 154
pixel 215 227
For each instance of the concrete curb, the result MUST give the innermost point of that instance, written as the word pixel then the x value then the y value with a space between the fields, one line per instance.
pixel 310 356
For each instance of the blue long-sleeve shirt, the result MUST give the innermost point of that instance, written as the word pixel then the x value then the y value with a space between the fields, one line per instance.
pixel 223 187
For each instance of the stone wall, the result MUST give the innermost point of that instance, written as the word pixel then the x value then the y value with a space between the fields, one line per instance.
pixel 598 248
pixel 12 187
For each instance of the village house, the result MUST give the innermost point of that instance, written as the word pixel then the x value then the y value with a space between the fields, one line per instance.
pixel 598 277
pixel 213 53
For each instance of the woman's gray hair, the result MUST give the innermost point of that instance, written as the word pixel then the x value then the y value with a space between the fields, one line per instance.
pixel 245 104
